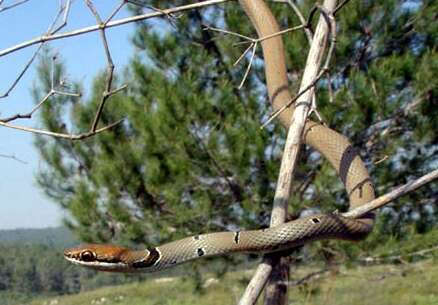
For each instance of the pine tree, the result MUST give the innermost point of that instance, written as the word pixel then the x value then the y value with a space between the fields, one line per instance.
pixel 190 156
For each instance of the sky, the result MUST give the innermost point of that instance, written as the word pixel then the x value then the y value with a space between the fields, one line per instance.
pixel 22 203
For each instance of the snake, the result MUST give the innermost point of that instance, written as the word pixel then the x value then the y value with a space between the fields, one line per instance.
pixel 333 146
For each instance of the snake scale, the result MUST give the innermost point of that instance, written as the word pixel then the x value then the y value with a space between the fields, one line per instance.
pixel 333 146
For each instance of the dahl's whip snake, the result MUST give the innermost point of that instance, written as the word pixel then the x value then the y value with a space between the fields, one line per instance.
pixel 333 146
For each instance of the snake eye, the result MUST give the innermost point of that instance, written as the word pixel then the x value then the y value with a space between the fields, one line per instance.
pixel 88 256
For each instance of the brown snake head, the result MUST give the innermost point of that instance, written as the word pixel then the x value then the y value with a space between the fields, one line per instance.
pixel 105 257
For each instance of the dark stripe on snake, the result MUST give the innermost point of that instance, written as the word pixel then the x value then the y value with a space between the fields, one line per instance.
pixel 236 237
pixel 348 155
pixel 316 220
pixel 150 260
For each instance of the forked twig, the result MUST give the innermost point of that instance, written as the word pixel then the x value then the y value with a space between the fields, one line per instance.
pixel 72 137
pixel 253 45
pixel 51 30
pixel 51 93
pixel 110 64
pixel 119 22
pixel 5 8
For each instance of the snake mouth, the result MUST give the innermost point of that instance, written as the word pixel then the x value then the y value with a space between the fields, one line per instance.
pixel 98 265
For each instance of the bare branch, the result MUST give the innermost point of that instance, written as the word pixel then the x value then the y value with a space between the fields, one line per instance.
pixel 340 6
pixel 66 10
pixel 116 10
pixel 374 259
pixel 391 196
pixel 50 30
pixel 51 93
pixel 253 45
pixel 13 157
pixel 2 9
pixel 303 21
pixel 21 74
pixel 257 283
pixel 291 149
pixel 29 114
pixel 45 38
pixel 72 137
pixel 110 65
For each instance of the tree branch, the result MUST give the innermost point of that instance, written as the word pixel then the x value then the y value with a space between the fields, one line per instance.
pixel 45 38
pixel 73 137
pixel 391 196
pixel 291 149
pixel 2 9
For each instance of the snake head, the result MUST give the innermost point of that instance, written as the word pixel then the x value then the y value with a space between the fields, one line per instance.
pixel 103 257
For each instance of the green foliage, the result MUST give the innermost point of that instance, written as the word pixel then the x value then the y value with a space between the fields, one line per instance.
pixel 190 157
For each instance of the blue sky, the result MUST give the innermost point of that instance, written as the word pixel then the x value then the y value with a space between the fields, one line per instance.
pixel 22 203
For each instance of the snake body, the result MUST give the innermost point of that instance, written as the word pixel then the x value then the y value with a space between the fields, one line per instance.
pixel 333 146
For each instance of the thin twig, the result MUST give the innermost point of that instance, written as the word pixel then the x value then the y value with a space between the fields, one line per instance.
pixel 13 157
pixel 391 196
pixel 248 68
pixel 340 6
pixel 423 252
pixel 51 93
pixel 73 137
pixel 115 11
pixel 307 29
pixel 253 45
pixel 110 66
pixel 29 114
pixel 50 30
pixel 305 279
pixel 21 74
pixel 2 9
pixel 66 10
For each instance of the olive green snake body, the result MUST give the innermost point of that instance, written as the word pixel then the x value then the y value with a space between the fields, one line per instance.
pixel 333 146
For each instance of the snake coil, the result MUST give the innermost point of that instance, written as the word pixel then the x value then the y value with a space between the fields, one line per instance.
pixel 333 146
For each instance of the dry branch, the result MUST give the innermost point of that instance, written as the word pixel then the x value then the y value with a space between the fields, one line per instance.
pixel 45 38
pixel 12 157
pixel 68 136
pixel 101 26
pixel 253 44
pixel 291 149
pixel 5 8
pixel 110 64
pixel 399 258
pixel 51 93
pixel 391 196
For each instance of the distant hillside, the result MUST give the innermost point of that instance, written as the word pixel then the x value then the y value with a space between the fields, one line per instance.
pixel 59 236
